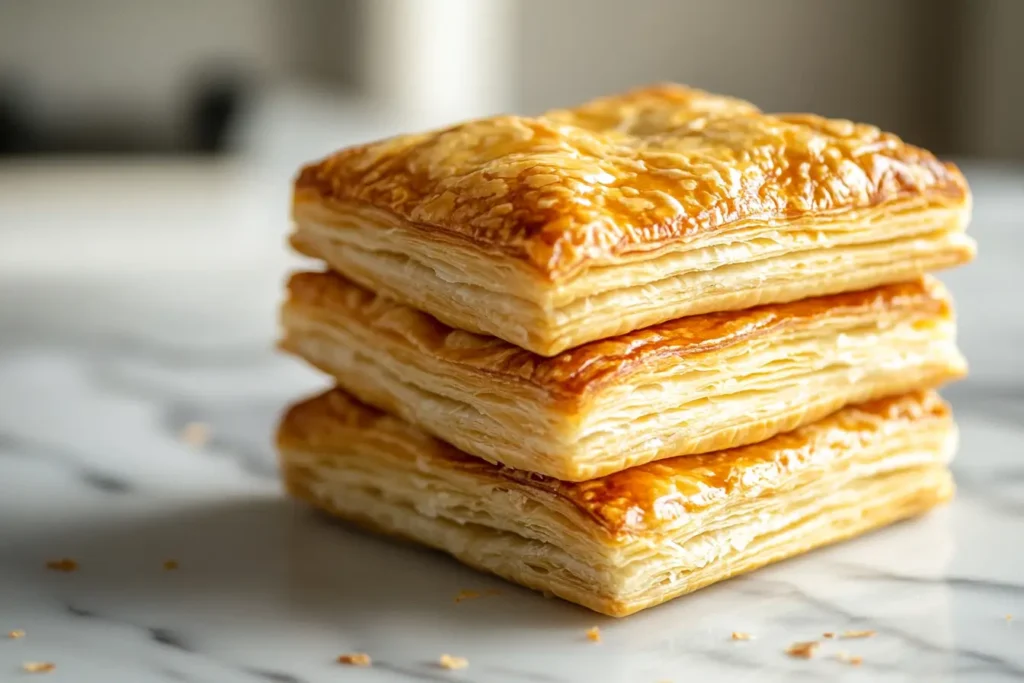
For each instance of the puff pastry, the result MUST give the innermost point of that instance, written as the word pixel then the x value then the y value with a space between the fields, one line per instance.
pixel 639 537
pixel 628 211
pixel 693 385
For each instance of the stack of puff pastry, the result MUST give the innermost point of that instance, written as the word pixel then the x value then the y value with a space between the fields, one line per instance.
pixel 619 352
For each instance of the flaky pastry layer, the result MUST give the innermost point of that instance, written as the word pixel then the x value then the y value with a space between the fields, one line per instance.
pixel 633 539
pixel 693 385
pixel 581 224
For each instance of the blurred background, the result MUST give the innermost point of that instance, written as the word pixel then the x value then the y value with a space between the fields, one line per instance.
pixel 287 80
pixel 141 140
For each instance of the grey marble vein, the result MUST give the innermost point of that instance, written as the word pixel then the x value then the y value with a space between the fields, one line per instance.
pixel 430 671
pixel 984 661
pixel 252 454
pixel 872 574
pixel 273 676
pixel 175 641
pixel 168 638
pixel 13 446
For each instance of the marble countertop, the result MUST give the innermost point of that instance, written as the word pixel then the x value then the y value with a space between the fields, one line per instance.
pixel 140 299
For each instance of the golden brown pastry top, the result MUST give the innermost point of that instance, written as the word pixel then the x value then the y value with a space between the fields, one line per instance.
pixel 642 499
pixel 574 373
pixel 632 172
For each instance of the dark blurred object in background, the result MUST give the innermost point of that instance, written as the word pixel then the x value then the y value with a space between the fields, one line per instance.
pixel 16 135
pixel 216 106
pixel 150 76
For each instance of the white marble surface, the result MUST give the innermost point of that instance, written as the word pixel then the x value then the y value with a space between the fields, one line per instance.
pixel 125 316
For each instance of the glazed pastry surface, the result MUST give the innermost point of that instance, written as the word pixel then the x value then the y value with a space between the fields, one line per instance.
pixel 635 538
pixel 693 385
pixel 627 211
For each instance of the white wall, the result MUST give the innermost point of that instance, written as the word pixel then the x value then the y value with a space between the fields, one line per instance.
pixel 129 64
pixel 937 67
pixel 992 82
pixel 440 61
pixel 788 55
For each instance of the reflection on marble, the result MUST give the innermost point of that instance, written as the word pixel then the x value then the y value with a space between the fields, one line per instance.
pixel 99 376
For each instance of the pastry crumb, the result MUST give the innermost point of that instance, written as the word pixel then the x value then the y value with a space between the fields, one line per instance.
pixel 65 564
pixel 170 565
pixel 594 634
pixel 16 634
pixel 452 662
pixel 858 634
pixel 196 434
pixel 1009 618
pixel 740 635
pixel 803 650
pixel 828 634
pixel 355 659
pixel 847 658
pixel 38 667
